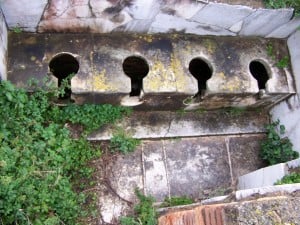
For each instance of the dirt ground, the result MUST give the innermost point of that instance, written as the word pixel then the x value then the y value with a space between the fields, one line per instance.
pixel 251 3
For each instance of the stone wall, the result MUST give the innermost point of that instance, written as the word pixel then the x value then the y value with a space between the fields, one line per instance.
pixel 288 112
pixel 148 16
pixel 3 47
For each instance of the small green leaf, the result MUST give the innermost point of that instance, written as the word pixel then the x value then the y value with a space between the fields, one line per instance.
pixel 9 96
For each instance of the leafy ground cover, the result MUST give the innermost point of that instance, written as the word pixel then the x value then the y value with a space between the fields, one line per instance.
pixel 276 4
pixel 39 162
pixel 276 149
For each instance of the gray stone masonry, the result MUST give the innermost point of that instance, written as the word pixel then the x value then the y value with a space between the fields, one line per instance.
pixel 147 16
pixel 3 47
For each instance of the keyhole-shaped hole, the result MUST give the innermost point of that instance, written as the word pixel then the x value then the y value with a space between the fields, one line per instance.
pixel 260 73
pixel 137 69
pixel 202 71
pixel 62 66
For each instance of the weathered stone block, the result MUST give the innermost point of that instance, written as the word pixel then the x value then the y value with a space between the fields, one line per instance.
pixel 199 168
pixel 173 23
pixel 166 68
pixel 263 177
pixel 285 30
pixel 156 180
pixel 264 21
pixel 221 15
pixel 23 14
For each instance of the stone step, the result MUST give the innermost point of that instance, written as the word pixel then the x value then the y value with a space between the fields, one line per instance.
pixel 167 124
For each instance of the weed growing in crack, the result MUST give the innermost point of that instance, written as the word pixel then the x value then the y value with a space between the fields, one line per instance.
pixel 145 213
pixel 234 111
pixel 283 62
pixel 122 142
pixel 176 201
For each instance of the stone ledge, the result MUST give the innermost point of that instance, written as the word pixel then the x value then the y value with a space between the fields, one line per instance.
pixel 275 210
pixel 164 124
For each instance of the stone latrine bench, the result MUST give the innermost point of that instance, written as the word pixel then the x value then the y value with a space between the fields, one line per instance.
pixel 161 71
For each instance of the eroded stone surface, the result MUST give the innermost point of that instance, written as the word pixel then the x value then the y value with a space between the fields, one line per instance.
pixel 285 30
pixel 268 211
pixel 145 125
pixel 169 79
pixel 156 179
pixel 268 19
pixel 195 165
pixel 23 14
pixel 199 167
pixel 222 15
pixel 244 153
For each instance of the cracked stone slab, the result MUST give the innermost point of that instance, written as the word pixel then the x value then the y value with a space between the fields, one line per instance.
pixel 155 171
pixel 118 177
pixel 125 174
pixel 196 165
pixel 285 30
pixel 23 14
pixel 176 124
pixel 227 15
pixel 264 21
pixel 174 23
pixel 244 153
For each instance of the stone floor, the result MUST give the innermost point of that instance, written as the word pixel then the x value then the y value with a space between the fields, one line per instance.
pixel 199 166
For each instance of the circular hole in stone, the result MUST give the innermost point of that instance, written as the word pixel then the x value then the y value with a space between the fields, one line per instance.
pixel 62 66
pixel 202 71
pixel 259 71
pixel 136 68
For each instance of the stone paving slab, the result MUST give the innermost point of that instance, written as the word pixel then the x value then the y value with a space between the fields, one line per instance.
pixel 198 167
pixel 246 150
pixel 197 164
pixel 156 179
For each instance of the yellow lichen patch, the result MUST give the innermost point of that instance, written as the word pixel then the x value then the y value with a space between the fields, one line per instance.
pixel 233 84
pixel 160 78
pixel 210 46
pixel 178 72
pixel 147 38
pixel 100 82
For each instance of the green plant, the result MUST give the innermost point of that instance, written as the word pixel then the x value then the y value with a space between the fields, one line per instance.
pixel 276 4
pixel 276 149
pixel 175 201
pixel 283 62
pixel 17 29
pixel 122 142
pixel 145 213
pixel 40 165
pixel 234 111
pixel 289 179
pixel 270 51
